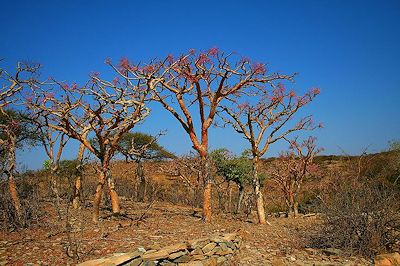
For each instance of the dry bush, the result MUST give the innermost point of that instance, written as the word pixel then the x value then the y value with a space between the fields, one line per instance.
pixel 362 217
pixel 30 210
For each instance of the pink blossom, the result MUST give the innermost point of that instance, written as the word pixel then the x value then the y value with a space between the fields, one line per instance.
pixel 124 63
pixel 65 86
pixel 203 58
pixel 258 68
pixel 148 68
pixel 292 94
pixel 192 51
pixel 320 125
pixel 170 58
pixel 316 91
pixel 115 80
pixel 73 86
pixel 214 51
pixel 108 61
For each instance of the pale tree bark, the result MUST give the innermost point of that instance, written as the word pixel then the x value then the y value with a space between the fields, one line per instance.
pixel 10 169
pixel 265 122
pixel 240 198
pixel 77 194
pixel 257 192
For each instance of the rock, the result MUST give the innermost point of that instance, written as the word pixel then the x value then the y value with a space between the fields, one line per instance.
pixel 209 247
pixel 135 262
pixel 223 252
pixel 92 262
pixel 184 258
pixel 175 248
pixel 332 251
pixel 199 257
pixel 192 244
pixel 390 259
pixel 175 255
pixel 221 260
pixel 213 251
pixel 148 263
pixel 197 251
pixel 161 254
pixel 210 262
pixel 278 262
pixel 126 257
pixel 192 263
pixel 141 249
pixel 167 263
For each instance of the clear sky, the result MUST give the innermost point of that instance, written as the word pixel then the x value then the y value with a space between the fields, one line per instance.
pixel 349 49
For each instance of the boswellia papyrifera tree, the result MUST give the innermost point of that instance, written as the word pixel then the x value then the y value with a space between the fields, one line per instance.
pixel 194 85
pixel 101 110
pixel 292 167
pixel 138 147
pixel 263 119
pixel 14 125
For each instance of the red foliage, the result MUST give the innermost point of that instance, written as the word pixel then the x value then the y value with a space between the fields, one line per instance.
pixel 214 51
pixel 258 68
pixel 124 63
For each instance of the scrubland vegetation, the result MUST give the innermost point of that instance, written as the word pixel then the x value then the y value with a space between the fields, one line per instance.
pixel 123 180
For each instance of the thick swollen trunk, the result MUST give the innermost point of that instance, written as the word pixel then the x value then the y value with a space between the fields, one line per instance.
pixel 98 196
pixel 14 194
pixel 113 195
pixel 240 199
pixel 77 192
pixel 292 203
pixel 258 193
pixel 141 192
pixel 12 187
pixel 104 176
pixel 207 189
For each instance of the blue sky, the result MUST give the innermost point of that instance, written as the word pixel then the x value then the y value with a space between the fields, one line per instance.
pixel 350 49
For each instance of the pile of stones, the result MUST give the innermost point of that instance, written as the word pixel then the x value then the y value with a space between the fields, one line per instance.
pixel 210 251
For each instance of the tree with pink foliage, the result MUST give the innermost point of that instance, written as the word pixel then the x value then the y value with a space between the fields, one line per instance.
pixel 195 85
pixel 292 167
pixel 264 117
pixel 100 110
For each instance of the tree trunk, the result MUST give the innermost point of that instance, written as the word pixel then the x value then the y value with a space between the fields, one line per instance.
pixel 240 199
pixel 290 203
pixel 78 181
pixel 207 189
pixel 113 195
pixel 104 174
pixel 258 193
pixel 141 192
pixel 12 187
pixel 295 205
pixel 77 192
pixel 54 189
pixel 98 196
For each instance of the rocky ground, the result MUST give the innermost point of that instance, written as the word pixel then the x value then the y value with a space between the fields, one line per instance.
pixel 281 242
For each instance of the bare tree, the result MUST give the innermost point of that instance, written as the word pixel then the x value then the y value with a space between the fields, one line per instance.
pixel 138 147
pixel 195 85
pixel 292 167
pixel 263 120
pixel 188 168
pixel 102 110
pixel 11 129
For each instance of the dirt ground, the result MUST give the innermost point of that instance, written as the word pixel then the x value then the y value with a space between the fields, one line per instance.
pixel 281 242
